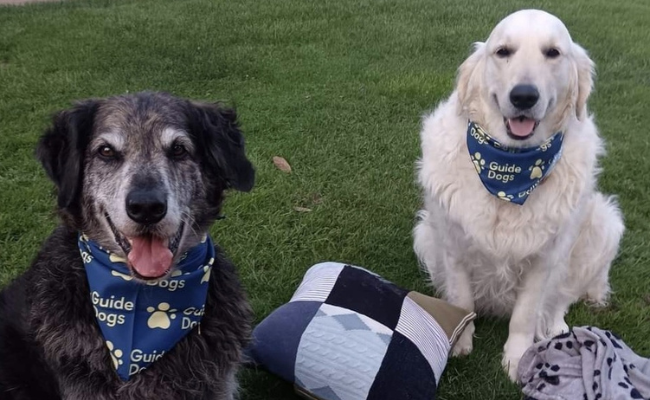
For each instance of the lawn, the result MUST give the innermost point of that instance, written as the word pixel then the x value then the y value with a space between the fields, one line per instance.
pixel 338 88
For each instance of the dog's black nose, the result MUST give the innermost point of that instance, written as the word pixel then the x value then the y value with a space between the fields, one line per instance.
pixel 146 206
pixel 524 96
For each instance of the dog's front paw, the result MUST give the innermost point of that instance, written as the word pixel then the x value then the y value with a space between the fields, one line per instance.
pixel 463 345
pixel 514 348
pixel 546 330
pixel 560 327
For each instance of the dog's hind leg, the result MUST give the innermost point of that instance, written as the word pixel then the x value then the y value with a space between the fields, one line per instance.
pixel 595 250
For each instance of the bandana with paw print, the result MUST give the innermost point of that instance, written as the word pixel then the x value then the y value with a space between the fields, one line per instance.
pixel 142 321
pixel 511 174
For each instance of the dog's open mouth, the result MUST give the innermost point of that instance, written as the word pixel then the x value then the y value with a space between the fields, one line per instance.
pixel 149 257
pixel 520 128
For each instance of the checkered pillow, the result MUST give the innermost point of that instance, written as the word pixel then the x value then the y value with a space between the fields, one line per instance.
pixel 349 334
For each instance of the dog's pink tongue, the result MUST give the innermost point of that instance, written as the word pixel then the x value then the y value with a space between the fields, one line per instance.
pixel 521 127
pixel 150 256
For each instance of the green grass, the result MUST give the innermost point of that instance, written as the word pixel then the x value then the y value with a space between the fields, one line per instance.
pixel 338 89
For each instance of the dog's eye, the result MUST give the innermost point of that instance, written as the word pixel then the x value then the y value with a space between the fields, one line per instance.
pixel 178 151
pixel 106 151
pixel 503 52
pixel 552 53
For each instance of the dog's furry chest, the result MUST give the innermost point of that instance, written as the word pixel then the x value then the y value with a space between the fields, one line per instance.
pixel 500 229
pixel 494 282
pixel 74 337
pixel 60 317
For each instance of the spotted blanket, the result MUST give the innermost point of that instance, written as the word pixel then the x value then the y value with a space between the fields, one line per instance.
pixel 586 363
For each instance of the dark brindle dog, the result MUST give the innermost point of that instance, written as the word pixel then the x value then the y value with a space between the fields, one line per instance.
pixel 144 177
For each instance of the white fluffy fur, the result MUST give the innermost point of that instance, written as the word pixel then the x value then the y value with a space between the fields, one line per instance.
pixel 528 262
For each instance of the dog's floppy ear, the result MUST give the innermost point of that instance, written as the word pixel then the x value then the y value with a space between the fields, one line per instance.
pixel 61 152
pixel 216 134
pixel 585 71
pixel 466 79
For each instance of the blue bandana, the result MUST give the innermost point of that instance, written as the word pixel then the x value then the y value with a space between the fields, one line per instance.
pixel 140 321
pixel 511 174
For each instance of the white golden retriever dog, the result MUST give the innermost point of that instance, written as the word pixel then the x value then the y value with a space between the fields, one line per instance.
pixel 525 88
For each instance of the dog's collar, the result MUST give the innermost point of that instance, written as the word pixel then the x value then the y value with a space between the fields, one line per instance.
pixel 511 174
pixel 140 321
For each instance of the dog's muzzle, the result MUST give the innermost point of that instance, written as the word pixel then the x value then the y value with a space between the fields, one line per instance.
pixel 149 256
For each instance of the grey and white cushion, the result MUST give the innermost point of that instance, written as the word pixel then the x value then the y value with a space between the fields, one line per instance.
pixel 349 334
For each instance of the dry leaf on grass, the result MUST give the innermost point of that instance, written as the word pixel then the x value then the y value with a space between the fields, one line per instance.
pixel 282 164
pixel 302 209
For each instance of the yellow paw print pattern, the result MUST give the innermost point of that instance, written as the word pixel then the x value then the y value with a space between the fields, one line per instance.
pixel 479 162
pixel 116 354
pixel 206 271
pixel 161 317
pixel 537 170
pixel 121 275
pixel 177 273
pixel 504 196
pixel 116 259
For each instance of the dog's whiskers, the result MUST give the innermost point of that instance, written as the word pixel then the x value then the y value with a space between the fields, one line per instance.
pixel 189 220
